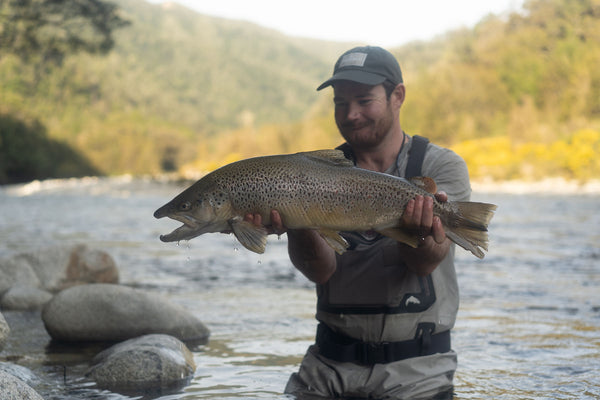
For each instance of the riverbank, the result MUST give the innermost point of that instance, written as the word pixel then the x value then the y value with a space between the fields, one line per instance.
pixel 550 185
pixel 554 186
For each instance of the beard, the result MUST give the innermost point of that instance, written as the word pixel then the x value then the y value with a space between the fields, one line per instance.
pixel 369 133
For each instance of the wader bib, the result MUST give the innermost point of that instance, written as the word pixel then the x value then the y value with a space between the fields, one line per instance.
pixel 374 309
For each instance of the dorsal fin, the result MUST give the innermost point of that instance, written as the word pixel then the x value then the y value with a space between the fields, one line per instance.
pixel 331 156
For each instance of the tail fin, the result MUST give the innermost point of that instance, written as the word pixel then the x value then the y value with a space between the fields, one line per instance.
pixel 468 228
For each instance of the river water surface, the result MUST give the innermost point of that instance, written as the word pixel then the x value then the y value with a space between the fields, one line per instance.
pixel 528 326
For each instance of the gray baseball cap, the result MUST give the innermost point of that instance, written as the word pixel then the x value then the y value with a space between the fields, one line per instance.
pixel 370 65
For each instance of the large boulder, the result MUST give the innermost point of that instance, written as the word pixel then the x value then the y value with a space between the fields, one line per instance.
pixel 65 266
pixel 105 312
pixel 4 331
pixel 24 298
pixel 151 364
pixel 17 270
pixel 23 373
pixel 56 268
pixel 12 388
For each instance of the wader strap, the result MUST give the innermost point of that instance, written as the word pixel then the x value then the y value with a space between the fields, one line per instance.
pixel 348 152
pixel 343 348
pixel 416 156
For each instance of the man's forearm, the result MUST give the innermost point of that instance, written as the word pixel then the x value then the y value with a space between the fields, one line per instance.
pixel 311 255
pixel 424 259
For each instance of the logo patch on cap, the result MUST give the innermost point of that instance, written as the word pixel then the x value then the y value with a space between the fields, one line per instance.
pixel 353 60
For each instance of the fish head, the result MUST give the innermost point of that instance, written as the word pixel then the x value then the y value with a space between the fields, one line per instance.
pixel 201 209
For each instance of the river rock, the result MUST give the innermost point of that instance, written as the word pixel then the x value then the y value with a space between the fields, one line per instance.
pixel 4 331
pixel 12 388
pixel 18 371
pixel 24 298
pixel 105 312
pixel 151 364
pixel 17 270
pixel 59 267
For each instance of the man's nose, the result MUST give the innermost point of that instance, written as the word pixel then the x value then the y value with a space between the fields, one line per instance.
pixel 353 111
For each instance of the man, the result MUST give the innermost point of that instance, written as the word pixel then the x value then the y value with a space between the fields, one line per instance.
pixel 385 309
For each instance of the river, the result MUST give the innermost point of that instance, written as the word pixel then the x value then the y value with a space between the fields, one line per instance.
pixel 528 325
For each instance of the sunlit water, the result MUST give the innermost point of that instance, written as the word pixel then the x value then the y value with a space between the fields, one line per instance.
pixel 528 327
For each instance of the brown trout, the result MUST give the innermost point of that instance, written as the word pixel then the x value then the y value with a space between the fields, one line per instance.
pixel 319 190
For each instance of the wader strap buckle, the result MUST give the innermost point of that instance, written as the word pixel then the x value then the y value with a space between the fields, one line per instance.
pixel 373 353
pixel 424 332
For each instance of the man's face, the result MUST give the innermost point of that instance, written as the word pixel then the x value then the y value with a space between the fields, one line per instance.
pixel 363 114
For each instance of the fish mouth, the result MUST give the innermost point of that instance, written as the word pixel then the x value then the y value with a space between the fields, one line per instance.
pixel 190 229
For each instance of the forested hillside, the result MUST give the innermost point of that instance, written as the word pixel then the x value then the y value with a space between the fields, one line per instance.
pixel 517 96
pixel 174 79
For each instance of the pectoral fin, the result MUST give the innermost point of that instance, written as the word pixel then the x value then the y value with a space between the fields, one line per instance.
pixel 252 237
pixel 424 182
pixel 334 240
pixel 400 235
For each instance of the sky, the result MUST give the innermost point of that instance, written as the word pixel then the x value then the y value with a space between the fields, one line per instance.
pixel 375 22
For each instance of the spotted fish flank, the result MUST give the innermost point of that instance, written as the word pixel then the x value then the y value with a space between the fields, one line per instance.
pixel 319 190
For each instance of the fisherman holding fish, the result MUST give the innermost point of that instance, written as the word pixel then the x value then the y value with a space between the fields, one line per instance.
pixel 379 247
pixel 385 309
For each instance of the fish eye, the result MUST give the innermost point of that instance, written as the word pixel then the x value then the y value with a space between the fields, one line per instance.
pixel 185 206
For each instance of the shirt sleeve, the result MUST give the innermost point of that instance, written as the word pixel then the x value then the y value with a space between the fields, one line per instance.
pixel 449 171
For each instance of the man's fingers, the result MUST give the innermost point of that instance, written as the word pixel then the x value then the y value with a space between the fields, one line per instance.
pixel 437 230
pixel 427 213
pixel 255 219
pixel 418 211
pixel 277 223
pixel 407 215
pixel 419 216
pixel 441 196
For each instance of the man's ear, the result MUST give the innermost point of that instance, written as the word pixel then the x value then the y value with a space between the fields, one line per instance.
pixel 399 94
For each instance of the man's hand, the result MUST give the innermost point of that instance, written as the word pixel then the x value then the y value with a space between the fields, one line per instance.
pixel 418 217
pixel 309 253
pixel 433 247
pixel 276 226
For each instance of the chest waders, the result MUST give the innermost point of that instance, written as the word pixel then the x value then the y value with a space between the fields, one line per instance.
pixel 368 282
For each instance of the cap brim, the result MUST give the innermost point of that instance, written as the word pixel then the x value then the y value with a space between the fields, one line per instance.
pixel 367 78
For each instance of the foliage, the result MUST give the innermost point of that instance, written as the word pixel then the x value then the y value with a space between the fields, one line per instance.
pixel 173 81
pixel 269 139
pixel 531 76
pixel 27 153
pixel 500 158
pixel 47 30
pixel 517 95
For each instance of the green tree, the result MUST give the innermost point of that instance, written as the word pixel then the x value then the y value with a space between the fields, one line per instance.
pixel 27 153
pixel 45 31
